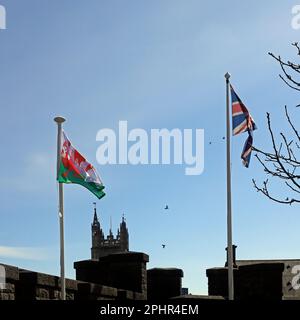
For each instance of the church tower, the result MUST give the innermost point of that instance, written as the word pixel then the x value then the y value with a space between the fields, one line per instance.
pixel 101 246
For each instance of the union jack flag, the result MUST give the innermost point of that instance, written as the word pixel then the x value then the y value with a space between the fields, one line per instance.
pixel 246 153
pixel 242 122
pixel 241 118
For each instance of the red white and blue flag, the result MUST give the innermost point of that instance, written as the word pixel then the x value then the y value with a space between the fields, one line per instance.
pixel 242 122
pixel 246 153
pixel 241 118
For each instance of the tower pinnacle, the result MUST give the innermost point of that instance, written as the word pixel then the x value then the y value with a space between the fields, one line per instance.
pixel 95 214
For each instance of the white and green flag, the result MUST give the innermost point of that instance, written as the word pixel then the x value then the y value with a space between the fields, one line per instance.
pixel 73 168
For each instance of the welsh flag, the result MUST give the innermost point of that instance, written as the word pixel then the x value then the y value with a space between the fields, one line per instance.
pixel 75 169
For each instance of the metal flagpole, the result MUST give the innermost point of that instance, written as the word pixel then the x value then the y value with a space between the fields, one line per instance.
pixel 229 216
pixel 59 121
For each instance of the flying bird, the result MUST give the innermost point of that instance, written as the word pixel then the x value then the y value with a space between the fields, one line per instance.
pixel 166 207
pixel 163 245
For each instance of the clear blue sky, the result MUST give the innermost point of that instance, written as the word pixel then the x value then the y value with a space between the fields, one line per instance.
pixel 157 64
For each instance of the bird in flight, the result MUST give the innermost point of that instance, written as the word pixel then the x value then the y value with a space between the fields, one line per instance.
pixel 163 245
pixel 166 207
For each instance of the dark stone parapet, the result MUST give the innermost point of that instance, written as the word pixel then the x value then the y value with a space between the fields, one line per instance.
pixel 11 278
pixel 164 283
pixel 28 285
pixel 92 291
pixel 254 281
pixel 127 271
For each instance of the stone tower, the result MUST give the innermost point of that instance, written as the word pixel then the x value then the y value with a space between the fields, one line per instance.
pixel 102 247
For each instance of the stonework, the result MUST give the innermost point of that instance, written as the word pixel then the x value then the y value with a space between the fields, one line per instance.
pixel 256 279
pixel 164 283
pixel 126 271
pixel 29 285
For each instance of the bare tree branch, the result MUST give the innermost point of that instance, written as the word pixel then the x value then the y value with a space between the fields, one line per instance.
pixel 283 162
pixel 265 191
pixel 291 124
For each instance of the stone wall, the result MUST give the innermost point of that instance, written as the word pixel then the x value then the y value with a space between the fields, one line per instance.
pixel 11 278
pixel 29 285
pixel 261 281
pixel 40 286
pixel 290 272
pixel 127 271
pixel 164 283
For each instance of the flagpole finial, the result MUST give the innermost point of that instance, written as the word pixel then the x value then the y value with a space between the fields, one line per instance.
pixel 227 76
pixel 59 119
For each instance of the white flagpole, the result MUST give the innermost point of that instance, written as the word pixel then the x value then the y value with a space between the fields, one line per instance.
pixel 59 121
pixel 229 215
